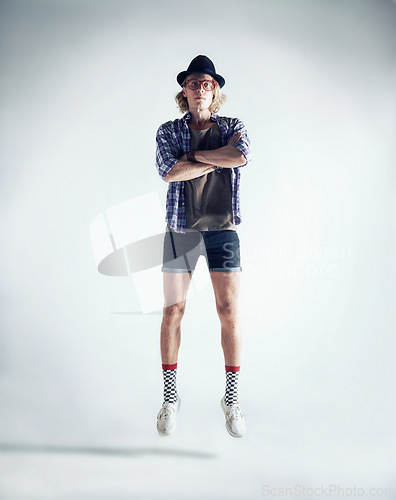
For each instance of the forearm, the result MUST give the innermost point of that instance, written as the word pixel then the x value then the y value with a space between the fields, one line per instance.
pixel 227 157
pixel 184 170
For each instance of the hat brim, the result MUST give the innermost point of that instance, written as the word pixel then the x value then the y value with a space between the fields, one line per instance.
pixel 181 77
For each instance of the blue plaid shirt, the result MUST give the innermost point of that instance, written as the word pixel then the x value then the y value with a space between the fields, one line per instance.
pixel 173 141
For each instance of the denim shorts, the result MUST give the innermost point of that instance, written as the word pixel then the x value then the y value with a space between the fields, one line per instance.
pixel 182 250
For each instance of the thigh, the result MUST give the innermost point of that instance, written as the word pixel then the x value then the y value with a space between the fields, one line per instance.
pixel 176 287
pixel 226 288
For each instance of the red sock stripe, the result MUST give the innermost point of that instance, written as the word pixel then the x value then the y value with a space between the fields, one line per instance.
pixel 232 368
pixel 169 367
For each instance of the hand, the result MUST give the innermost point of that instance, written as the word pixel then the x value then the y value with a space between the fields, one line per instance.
pixel 183 158
pixel 235 138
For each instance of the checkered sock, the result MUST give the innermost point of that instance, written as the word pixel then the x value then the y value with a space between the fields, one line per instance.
pixel 231 390
pixel 170 392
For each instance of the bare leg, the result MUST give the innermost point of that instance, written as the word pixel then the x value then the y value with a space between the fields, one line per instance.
pixel 175 291
pixel 226 290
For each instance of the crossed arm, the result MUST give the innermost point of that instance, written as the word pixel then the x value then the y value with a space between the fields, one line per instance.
pixel 206 161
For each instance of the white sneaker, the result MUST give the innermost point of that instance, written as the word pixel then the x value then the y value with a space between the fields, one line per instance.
pixel 166 418
pixel 235 421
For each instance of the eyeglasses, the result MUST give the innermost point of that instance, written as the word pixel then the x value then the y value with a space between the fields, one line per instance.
pixel 196 84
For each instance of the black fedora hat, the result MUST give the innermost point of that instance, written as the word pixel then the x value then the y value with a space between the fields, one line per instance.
pixel 201 64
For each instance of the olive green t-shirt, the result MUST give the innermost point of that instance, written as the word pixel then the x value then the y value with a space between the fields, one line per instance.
pixel 208 199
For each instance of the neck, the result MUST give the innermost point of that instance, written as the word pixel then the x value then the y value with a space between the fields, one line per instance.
pixel 200 117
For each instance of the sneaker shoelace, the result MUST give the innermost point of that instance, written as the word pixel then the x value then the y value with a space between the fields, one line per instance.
pixel 167 410
pixel 235 412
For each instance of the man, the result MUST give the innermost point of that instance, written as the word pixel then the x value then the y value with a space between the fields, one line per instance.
pixel 200 156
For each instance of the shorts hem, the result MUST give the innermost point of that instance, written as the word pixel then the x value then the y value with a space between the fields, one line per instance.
pixel 172 270
pixel 225 269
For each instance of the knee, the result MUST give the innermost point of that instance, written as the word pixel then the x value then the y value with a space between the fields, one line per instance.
pixel 174 313
pixel 226 311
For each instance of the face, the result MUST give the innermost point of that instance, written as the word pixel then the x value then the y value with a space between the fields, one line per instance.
pixel 198 99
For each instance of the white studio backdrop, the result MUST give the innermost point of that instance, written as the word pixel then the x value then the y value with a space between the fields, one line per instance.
pixel 84 87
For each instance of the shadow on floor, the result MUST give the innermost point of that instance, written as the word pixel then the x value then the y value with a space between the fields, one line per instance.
pixel 128 452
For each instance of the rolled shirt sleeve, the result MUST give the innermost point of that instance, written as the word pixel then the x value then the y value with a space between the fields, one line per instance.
pixel 167 153
pixel 243 145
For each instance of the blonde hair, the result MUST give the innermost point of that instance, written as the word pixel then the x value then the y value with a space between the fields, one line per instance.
pixel 218 99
